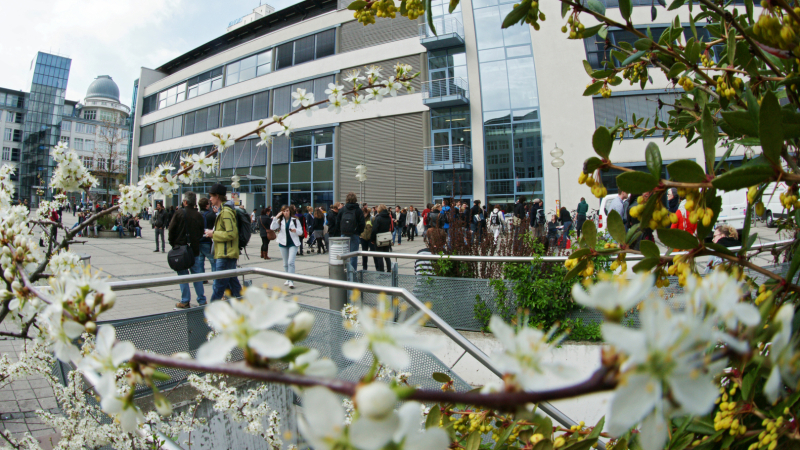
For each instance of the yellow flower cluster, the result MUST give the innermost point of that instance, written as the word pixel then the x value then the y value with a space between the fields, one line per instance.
pixel 661 278
pixel 414 9
pixel 661 215
pixel 587 272
pixel 706 60
pixel 777 31
pixel 789 200
pixel 598 190
pixel 696 206
pixel 682 267
pixel 379 8
pixel 636 72
pixel 763 295
pixel 686 83
pixel 729 89
pixel 725 419
pixel 575 28
pixel 769 437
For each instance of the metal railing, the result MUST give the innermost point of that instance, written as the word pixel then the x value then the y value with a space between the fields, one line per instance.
pixel 443 25
pixel 445 87
pixel 443 326
pixel 516 259
pixel 448 155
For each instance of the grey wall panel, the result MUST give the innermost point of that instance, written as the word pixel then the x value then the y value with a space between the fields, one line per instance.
pixel 351 153
pixel 409 172
pixel 379 157
pixel 356 36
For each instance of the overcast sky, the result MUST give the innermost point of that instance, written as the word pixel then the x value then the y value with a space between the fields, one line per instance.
pixel 113 38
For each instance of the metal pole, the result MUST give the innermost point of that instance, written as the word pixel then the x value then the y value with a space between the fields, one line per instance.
pixel 337 297
pixel 559 187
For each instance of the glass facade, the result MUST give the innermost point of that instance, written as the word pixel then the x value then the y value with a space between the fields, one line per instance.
pixel 510 102
pixel 302 169
pixel 42 127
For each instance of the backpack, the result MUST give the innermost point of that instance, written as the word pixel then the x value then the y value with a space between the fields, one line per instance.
pixel 349 223
pixel 445 217
pixel 367 234
pixel 433 219
pixel 495 219
pixel 540 219
pixel 243 225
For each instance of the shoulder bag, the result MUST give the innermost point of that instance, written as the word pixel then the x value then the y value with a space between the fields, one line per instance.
pixel 270 233
pixel 181 257
pixel 384 239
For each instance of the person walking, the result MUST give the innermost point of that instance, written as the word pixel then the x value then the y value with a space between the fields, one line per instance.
pixel 206 245
pixel 552 231
pixel 412 218
pixel 301 218
pixel 253 220
pixel 264 223
pixel 618 205
pixel 225 236
pixel 287 226
pixel 583 208
pixel 399 223
pixel 673 201
pixel 186 228
pixel 496 220
pixel 476 218
pixel 366 237
pixel 566 222
pixel 319 231
pixel 537 218
pixel 351 224
pixel 159 222
pixel 382 224
pixel 330 221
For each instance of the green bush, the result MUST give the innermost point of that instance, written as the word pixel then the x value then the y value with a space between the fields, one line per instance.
pixel 107 222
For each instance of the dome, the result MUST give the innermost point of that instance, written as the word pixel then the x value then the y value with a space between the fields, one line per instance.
pixel 103 87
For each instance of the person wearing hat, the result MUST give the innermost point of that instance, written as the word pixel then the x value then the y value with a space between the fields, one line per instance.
pixel 225 236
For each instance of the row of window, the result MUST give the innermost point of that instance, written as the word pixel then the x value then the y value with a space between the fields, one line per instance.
pixel 10 154
pixel 83 144
pixel 598 50
pixel 13 135
pixel 233 112
pixel 607 110
pixel 11 117
pixel 286 55
pixel 15 101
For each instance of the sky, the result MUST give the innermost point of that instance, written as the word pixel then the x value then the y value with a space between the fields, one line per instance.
pixel 114 38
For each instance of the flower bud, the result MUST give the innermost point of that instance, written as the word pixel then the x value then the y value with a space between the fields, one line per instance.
pixel 91 327
pixel 300 327
pixel 375 400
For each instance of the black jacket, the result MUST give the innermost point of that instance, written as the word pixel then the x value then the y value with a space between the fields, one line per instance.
pixel 534 211
pixel 264 222
pixel 381 224
pixel 160 218
pixel 360 222
pixel 401 220
pixel 319 223
pixel 519 210
pixel 476 210
pixel 564 217
pixel 333 223
pixel 552 230
pixel 193 221
pixel 209 217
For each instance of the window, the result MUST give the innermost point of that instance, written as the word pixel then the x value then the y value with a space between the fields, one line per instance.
pixel 65 140
pixel 168 129
pixel 250 67
pixel 80 127
pixel 90 129
pixel 88 145
pixel 625 107
pixel 171 96
pixel 147 135
pixel 78 143
pixel 305 49
pixel 6 153
pixel 599 54
pixel 302 168
pixel 204 83
pixel 9 133
pixel 150 104
pixel 66 126
pixel 88 161
pixel 17 137
pixel 108 116
pixel 90 114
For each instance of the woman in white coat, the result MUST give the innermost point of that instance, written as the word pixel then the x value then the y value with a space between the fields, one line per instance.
pixel 290 232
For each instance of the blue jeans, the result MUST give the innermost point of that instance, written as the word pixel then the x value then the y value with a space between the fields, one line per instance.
pixel 186 294
pixel 288 254
pixel 207 252
pixel 224 284
pixel 121 231
pixel 565 234
pixel 398 232
pixel 138 232
pixel 355 243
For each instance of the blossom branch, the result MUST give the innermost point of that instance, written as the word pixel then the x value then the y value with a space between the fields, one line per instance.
pixel 601 380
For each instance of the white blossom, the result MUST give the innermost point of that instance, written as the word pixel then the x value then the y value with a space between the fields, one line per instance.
pixel 309 363
pixel 302 98
pixel 222 141
pixel 108 354
pixel 375 400
pixel 785 365
pixel 354 77
pixel 409 88
pixel 387 339
pixel 373 72
pixel 286 128
pixel 617 295
pixel 402 69
pixel 336 103
pixel 265 138
pixel 390 87
pixel 410 435
pixel 358 101
pixel 374 92
pixel 334 91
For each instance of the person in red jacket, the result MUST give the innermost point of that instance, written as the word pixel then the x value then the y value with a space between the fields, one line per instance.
pixel 683 222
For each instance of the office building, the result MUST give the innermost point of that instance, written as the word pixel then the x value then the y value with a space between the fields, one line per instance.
pixel 12 116
pixel 490 106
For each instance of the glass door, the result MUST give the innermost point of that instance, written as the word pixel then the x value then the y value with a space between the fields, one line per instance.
pixel 440 80
pixel 441 147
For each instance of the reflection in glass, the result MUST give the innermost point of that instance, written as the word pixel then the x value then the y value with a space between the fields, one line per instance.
pixel 487 24
pixel 495 93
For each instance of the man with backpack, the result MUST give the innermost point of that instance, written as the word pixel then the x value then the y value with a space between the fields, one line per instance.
pixel 476 221
pixel 496 221
pixel 351 224
pixel 226 241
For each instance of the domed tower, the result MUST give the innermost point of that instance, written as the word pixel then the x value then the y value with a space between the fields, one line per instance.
pixel 102 102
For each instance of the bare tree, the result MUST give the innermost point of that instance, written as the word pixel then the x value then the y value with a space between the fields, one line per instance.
pixel 110 164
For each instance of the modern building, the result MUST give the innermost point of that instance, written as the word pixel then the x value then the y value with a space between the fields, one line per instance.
pixel 12 116
pixel 490 106
pixel 258 12
pixel 98 129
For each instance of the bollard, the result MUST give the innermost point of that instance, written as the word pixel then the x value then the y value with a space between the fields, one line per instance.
pixel 338 246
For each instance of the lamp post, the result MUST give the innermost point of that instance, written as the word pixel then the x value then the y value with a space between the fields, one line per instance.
pixel 557 162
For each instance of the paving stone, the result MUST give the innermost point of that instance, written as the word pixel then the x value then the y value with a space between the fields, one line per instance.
pixel 25 394
pixel 43 392
pixel 28 405
pixel 9 407
pixel 49 403
pixel 18 416
pixel 14 427
pixel 30 415
pixel 38 427
pixel 6 395
pixel 43 435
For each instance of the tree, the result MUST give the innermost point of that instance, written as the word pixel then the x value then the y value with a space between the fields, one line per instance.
pixel 110 164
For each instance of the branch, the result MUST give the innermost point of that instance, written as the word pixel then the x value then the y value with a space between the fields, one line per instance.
pixel 602 380
pixel 754 267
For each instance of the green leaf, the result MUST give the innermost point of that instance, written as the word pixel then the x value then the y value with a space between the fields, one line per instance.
pixel 602 141
pixel 676 70
pixel 441 377
pixel 676 4
pixel 506 433
pixel 591 164
pixel 742 177
pixel 161 376
pixel 473 441
pixel 653 158
pixel 544 445
pixel 649 249
pixel 636 182
pixel 683 442
pixel 719 248
pixel 432 421
pixel 564 9
pixel 625 8
pixel 686 171
pixel 750 376
pixel 585 444
pixel 741 122
pixel 597 74
pixel 429 16
pixel 294 353
pixel 593 88
pixel 580 267
pixel 710 136
pixel 615 226
pixel 769 127
pixel 453 5
pixel 795 264
pixel 597 429
pixel 646 264
pixel 589 233
pixel 631 233
pixel 588 68
pixel 677 239
pixel 517 14
pixel 653 13
pixel 603 32
pixel 591 31
pixel 596 6
pixel 580 253
pixel 731 47
pixel 356 5
pixel 634 57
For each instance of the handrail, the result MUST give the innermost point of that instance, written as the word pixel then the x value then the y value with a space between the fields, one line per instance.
pixel 445 87
pixel 511 259
pixel 443 326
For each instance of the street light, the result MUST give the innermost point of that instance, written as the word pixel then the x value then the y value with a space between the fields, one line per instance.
pixel 557 162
